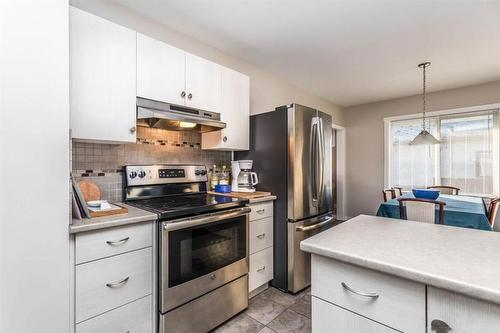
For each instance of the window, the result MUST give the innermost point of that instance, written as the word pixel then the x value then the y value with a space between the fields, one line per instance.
pixel 467 156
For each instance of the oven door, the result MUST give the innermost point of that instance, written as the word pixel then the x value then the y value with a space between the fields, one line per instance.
pixel 200 254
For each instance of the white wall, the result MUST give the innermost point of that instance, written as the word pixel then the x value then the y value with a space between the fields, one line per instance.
pixel 266 91
pixel 34 166
pixel 365 138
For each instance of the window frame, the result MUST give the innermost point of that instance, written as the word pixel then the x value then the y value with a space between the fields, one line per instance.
pixel 447 112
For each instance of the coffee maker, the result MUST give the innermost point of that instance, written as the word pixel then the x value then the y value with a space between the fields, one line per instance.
pixel 244 179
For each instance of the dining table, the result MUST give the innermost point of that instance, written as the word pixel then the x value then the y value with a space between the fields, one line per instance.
pixel 459 211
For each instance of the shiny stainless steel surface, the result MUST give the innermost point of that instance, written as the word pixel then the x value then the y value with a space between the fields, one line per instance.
pixel 208 311
pixel 187 291
pixel 359 293
pixel 167 116
pixel 204 219
pixel 299 262
pixel 193 173
pixel 325 143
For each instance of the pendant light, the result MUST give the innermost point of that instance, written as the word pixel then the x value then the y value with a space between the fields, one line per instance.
pixel 424 137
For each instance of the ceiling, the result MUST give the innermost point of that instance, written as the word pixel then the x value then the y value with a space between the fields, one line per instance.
pixel 349 52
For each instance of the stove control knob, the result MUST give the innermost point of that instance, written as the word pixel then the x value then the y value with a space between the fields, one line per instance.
pixel 142 173
pixel 197 172
pixel 203 172
pixel 132 174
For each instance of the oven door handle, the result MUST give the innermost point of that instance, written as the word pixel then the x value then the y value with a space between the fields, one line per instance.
pixel 204 219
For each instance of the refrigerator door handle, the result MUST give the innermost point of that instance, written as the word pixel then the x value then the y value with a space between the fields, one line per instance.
pixel 321 156
pixel 313 158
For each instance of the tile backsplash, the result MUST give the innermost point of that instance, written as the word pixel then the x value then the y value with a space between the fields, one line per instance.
pixel 103 163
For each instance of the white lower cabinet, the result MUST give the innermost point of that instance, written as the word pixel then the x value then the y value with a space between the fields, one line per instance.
pixel 460 313
pixel 260 270
pixel 134 317
pixel 327 318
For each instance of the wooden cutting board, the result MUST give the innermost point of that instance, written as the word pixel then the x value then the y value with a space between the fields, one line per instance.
pixel 90 190
pixel 245 195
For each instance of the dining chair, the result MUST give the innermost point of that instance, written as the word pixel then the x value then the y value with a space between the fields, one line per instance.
pixel 399 191
pixel 421 210
pixel 443 189
pixel 388 194
pixel 492 210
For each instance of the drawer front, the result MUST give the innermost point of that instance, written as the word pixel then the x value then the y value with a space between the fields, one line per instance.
pixel 261 234
pixel 261 210
pixel 328 318
pixel 135 317
pixel 105 243
pixel 400 303
pixel 108 283
pixel 261 268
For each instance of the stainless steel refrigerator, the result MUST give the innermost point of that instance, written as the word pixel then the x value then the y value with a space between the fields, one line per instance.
pixel 291 150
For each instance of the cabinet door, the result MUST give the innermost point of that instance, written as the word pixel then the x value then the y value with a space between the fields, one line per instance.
pixel 160 71
pixel 203 79
pixel 460 313
pixel 103 79
pixel 235 112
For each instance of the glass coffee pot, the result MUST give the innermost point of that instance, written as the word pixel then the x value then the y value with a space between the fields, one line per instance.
pixel 246 178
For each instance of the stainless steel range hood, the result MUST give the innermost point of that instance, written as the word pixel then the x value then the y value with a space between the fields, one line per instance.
pixel 177 118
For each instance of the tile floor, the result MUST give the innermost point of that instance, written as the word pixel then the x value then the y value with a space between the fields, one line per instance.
pixel 273 311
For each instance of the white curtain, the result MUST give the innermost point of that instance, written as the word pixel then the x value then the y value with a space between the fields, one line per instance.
pixel 466 157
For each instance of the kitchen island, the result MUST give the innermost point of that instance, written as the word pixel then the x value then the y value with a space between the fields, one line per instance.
pixel 374 274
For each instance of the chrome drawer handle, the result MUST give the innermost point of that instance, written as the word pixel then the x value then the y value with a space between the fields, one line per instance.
pixel 360 293
pixel 440 326
pixel 212 276
pixel 118 284
pixel 261 269
pixel 261 235
pixel 261 211
pixel 118 242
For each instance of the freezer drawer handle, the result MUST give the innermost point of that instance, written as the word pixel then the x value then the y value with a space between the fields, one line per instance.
pixel 261 235
pixel 118 242
pixel 314 226
pixel 118 284
pixel 360 293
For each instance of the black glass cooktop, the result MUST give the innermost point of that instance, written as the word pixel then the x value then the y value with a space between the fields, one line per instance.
pixel 187 205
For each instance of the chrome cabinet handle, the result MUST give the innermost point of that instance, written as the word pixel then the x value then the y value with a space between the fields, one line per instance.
pixel 261 269
pixel 440 326
pixel 118 284
pixel 213 276
pixel 360 293
pixel 261 211
pixel 118 242
pixel 224 139
pixel 261 235
pixel 183 94
pixel 132 129
pixel 314 226
pixel 190 96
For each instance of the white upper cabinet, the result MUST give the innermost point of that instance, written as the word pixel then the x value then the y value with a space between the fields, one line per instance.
pixel 161 71
pixel 235 112
pixel 102 79
pixel 203 83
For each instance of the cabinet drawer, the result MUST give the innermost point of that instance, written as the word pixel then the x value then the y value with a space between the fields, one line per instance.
pixel 400 303
pixel 104 243
pixel 327 318
pixel 105 284
pixel 261 210
pixel 261 268
pixel 135 317
pixel 261 234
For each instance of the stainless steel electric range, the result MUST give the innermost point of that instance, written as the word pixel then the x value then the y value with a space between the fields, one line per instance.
pixel 202 245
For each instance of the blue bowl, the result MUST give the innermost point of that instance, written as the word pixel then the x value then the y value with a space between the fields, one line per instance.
pixel 223 188
pixel 425 194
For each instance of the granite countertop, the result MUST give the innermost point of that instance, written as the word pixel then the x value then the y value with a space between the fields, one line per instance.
pixel 134 215
pixel 457 259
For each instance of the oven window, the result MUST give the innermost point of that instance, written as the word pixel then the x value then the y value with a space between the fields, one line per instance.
pixel 193 252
